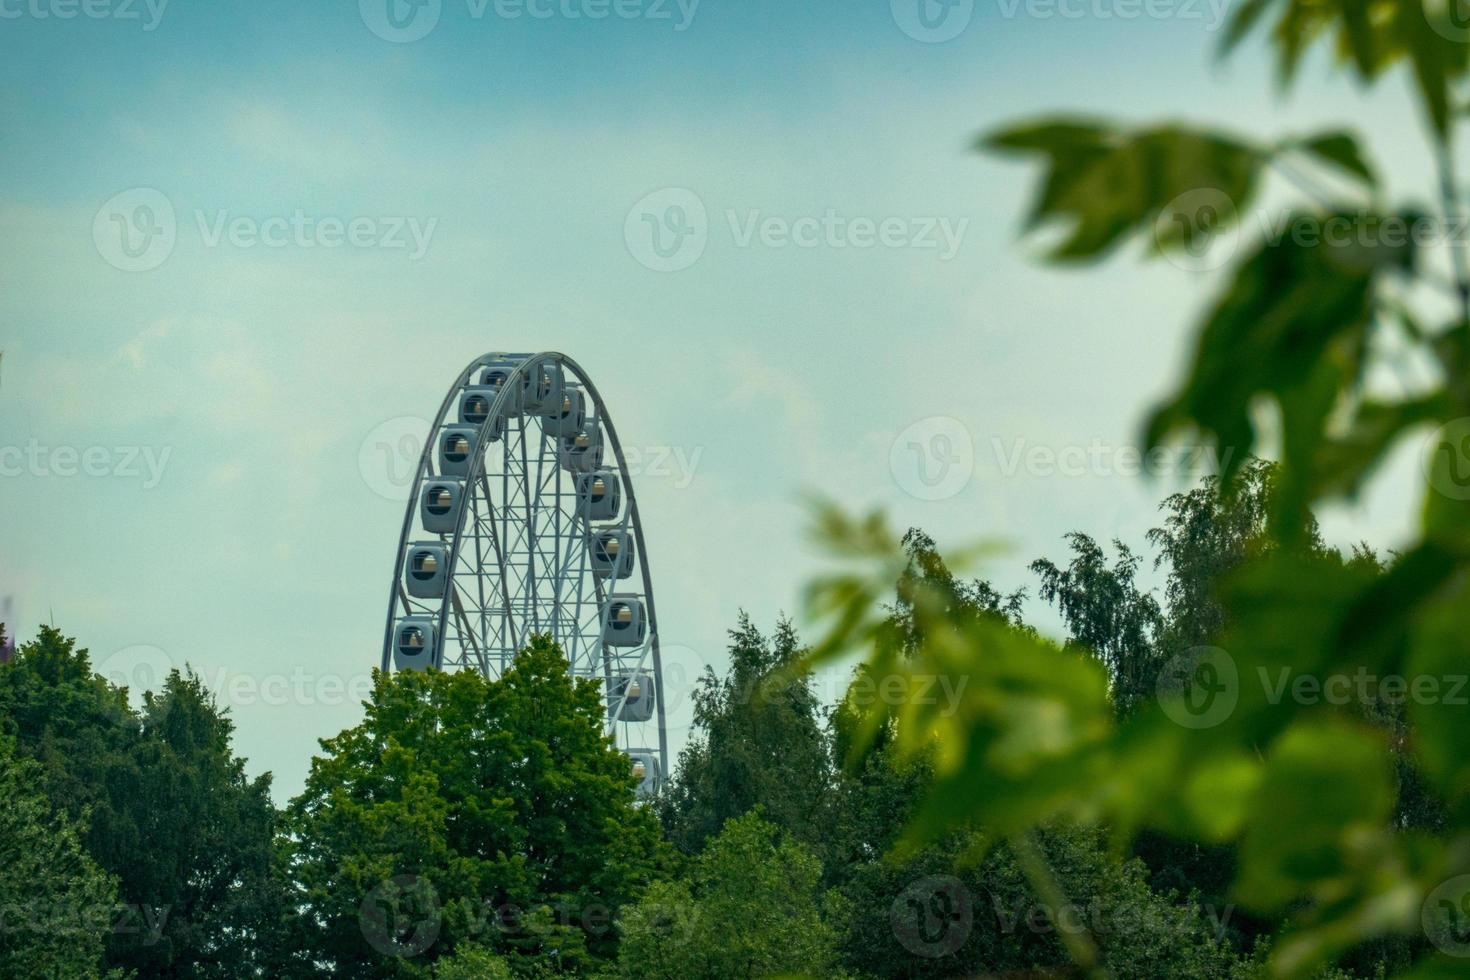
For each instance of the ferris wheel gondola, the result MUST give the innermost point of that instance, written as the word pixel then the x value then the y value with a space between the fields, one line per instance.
pixel 521 521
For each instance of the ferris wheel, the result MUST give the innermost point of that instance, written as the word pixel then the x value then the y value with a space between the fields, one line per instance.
pixel 522 521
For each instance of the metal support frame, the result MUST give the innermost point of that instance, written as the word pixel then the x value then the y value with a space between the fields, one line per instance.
pixel 518 559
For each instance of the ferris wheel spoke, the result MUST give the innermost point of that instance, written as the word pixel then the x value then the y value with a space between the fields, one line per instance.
pixel 523 488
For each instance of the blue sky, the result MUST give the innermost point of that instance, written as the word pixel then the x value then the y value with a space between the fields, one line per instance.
pixel 232 379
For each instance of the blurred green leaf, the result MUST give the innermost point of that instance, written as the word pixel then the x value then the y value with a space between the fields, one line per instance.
pixel 1104 183
pixel 1438 675
pixel 1345 462
pixel 1369 35
pixel 1291 327
pixel 1324 781
pixel 1340 149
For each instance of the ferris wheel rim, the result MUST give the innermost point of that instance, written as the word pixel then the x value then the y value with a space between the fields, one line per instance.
pixel 527 363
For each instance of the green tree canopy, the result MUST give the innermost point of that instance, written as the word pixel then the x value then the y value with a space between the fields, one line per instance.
pixel 57 907
pixel 751 907
pixel 465 810
pixel 166 806
pixel 758 740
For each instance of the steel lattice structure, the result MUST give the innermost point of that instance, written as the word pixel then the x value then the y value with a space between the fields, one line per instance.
pixel 522 520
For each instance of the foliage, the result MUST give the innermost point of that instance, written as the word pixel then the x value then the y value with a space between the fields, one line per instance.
pixel 167 807
pixel 467 810
pixel 471 962
pixel 751 908
pixel 1305 787
pixel 56 905
pixel 1184 934
pixel 757 740
pixel 1107 615
pixel 950 913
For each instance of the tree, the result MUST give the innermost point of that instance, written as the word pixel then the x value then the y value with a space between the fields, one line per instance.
pixel 1287 353
pixel 210 829
pixel 1107 615
pixel 757 741
pixel 465 810
pixel 943 909
pixel 751 908
pixel 939 913
pixel 166 806
pixel 471 962
pixel 926 576
pixel 57 906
